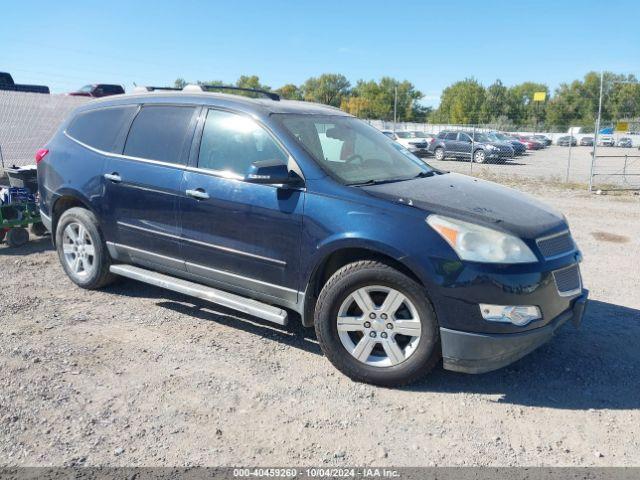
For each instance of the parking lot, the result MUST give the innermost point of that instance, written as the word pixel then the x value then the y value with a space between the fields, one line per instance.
pixel 134 375
pixel 551 164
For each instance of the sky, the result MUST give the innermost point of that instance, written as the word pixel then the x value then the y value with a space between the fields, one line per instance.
pixel 432 44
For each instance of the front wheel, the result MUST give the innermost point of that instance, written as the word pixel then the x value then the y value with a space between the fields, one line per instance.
pixel 81 250
pixel 479 156
pixel 376 325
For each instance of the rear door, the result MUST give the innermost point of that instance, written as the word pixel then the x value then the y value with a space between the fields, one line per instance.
pixel 143 185
pixel 238 234
pixel 451 143
pixel 464 144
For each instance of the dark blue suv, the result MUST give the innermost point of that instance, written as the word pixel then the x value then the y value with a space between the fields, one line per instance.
pixel 274 207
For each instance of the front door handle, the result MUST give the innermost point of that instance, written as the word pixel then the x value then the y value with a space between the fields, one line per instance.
pixel 114 177
pixel 198 194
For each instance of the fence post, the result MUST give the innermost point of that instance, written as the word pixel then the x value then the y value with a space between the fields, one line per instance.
pixel 566 180
pixel 473 141
pixel 624 170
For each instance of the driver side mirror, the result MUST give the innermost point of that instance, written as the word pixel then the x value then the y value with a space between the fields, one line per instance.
pixel 271 172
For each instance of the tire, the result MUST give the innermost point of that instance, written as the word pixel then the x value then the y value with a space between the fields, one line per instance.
pixel 479 156
pixel 81 249
pixel 38 229
pixel 388 358
pixel 439 153
pixel 18 236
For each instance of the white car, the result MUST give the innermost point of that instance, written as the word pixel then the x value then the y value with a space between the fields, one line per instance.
pixel 409 140
pixel 606 141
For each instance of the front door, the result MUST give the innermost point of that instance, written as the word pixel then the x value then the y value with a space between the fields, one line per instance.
pixel 237 234
pixel 143 186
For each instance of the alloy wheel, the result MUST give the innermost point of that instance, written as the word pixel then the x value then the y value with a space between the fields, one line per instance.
pixel 379 326
pixel 79 250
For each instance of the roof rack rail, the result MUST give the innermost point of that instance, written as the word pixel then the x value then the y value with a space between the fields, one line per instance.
pixel 208 88
pixel 145 88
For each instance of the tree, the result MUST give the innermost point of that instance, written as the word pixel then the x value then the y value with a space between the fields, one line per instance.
pixel 495 107
pixel 461 103
pixel 290 92
pixel 371 99
pixel 523 109
pixel 328 88
pixel 179 83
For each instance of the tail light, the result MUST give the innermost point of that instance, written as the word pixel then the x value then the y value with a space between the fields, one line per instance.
pixel 432 139
pixel 40 154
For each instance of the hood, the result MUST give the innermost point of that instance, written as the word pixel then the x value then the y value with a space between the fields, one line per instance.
pixel 474 200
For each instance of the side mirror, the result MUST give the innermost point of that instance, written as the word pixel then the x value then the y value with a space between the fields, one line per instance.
pixel 271 172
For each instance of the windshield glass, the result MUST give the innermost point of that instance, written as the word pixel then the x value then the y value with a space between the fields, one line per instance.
pixel 353 151
pixel 419 134
pixel 86 89
pixel 403 134
pixel 481 137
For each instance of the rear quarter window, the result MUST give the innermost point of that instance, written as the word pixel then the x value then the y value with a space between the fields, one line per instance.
pixel 104 128
pixel 161 132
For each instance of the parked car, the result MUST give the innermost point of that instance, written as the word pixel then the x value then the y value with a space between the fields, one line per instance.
pixel 459 145
pixel 249 204
pixel 625 142
pixel 606 141
pixel 586 141
pixel 7 83
pixel 567 140
pixel 519 148
pixel 543 139
pixel 416 145
pixel 529 142
pixel 98 90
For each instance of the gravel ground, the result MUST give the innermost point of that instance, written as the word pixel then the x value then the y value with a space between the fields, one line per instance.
pixel 134 375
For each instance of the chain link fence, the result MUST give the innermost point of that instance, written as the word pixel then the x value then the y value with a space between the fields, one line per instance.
pixel 28 121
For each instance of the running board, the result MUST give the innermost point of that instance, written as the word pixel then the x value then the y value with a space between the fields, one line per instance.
pixel 226 299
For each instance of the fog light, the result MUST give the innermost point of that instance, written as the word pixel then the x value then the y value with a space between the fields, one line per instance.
pixel 517 314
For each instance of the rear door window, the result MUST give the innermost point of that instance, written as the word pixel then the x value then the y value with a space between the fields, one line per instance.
pixel 104 128
pixel 162 133
pixel 231 143
pixel 451 136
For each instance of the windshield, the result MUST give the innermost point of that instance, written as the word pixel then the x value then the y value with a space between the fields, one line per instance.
pixel 419 134
pixel 86 89
pixel 403 134
pixel 353 151
pixel 481 137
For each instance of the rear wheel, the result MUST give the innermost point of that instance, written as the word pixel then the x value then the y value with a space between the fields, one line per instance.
pixel 81 249
pixel 439 153
pixel 376 325
pixel 18 236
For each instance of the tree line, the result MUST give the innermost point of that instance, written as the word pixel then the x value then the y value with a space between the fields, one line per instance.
pixel 468 101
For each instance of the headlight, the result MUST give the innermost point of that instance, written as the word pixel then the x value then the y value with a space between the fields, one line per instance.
pixel 480 244
pixel 492 147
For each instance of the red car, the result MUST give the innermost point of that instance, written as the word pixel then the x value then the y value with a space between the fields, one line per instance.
pixel 530 143
pixel 98 90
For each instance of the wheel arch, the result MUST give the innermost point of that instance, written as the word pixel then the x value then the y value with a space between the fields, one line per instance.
pixel 65 200
pixel 340 255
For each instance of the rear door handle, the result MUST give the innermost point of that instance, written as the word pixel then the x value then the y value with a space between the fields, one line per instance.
pixel 114 177
pixel 198 194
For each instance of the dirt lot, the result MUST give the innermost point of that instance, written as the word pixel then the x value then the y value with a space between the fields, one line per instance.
pixel 134 375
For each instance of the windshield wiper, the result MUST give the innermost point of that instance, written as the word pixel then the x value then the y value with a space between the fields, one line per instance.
pixel 429 173
pixel 375 182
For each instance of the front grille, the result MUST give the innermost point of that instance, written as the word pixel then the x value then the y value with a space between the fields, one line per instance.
pixel 419 144
pixel 556 245
pixel 568 281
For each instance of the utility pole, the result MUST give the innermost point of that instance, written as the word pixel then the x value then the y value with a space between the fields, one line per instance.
pixel 595 137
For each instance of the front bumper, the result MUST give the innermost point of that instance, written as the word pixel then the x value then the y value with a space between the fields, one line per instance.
pixel 481 352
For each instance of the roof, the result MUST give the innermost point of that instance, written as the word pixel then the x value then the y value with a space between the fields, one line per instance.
pixel 246 104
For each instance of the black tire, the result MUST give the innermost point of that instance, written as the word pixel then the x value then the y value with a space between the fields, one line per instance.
pixel 18 236
pixel 99 276
pixel 366 273
pixel 438 153
pixel 38 229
